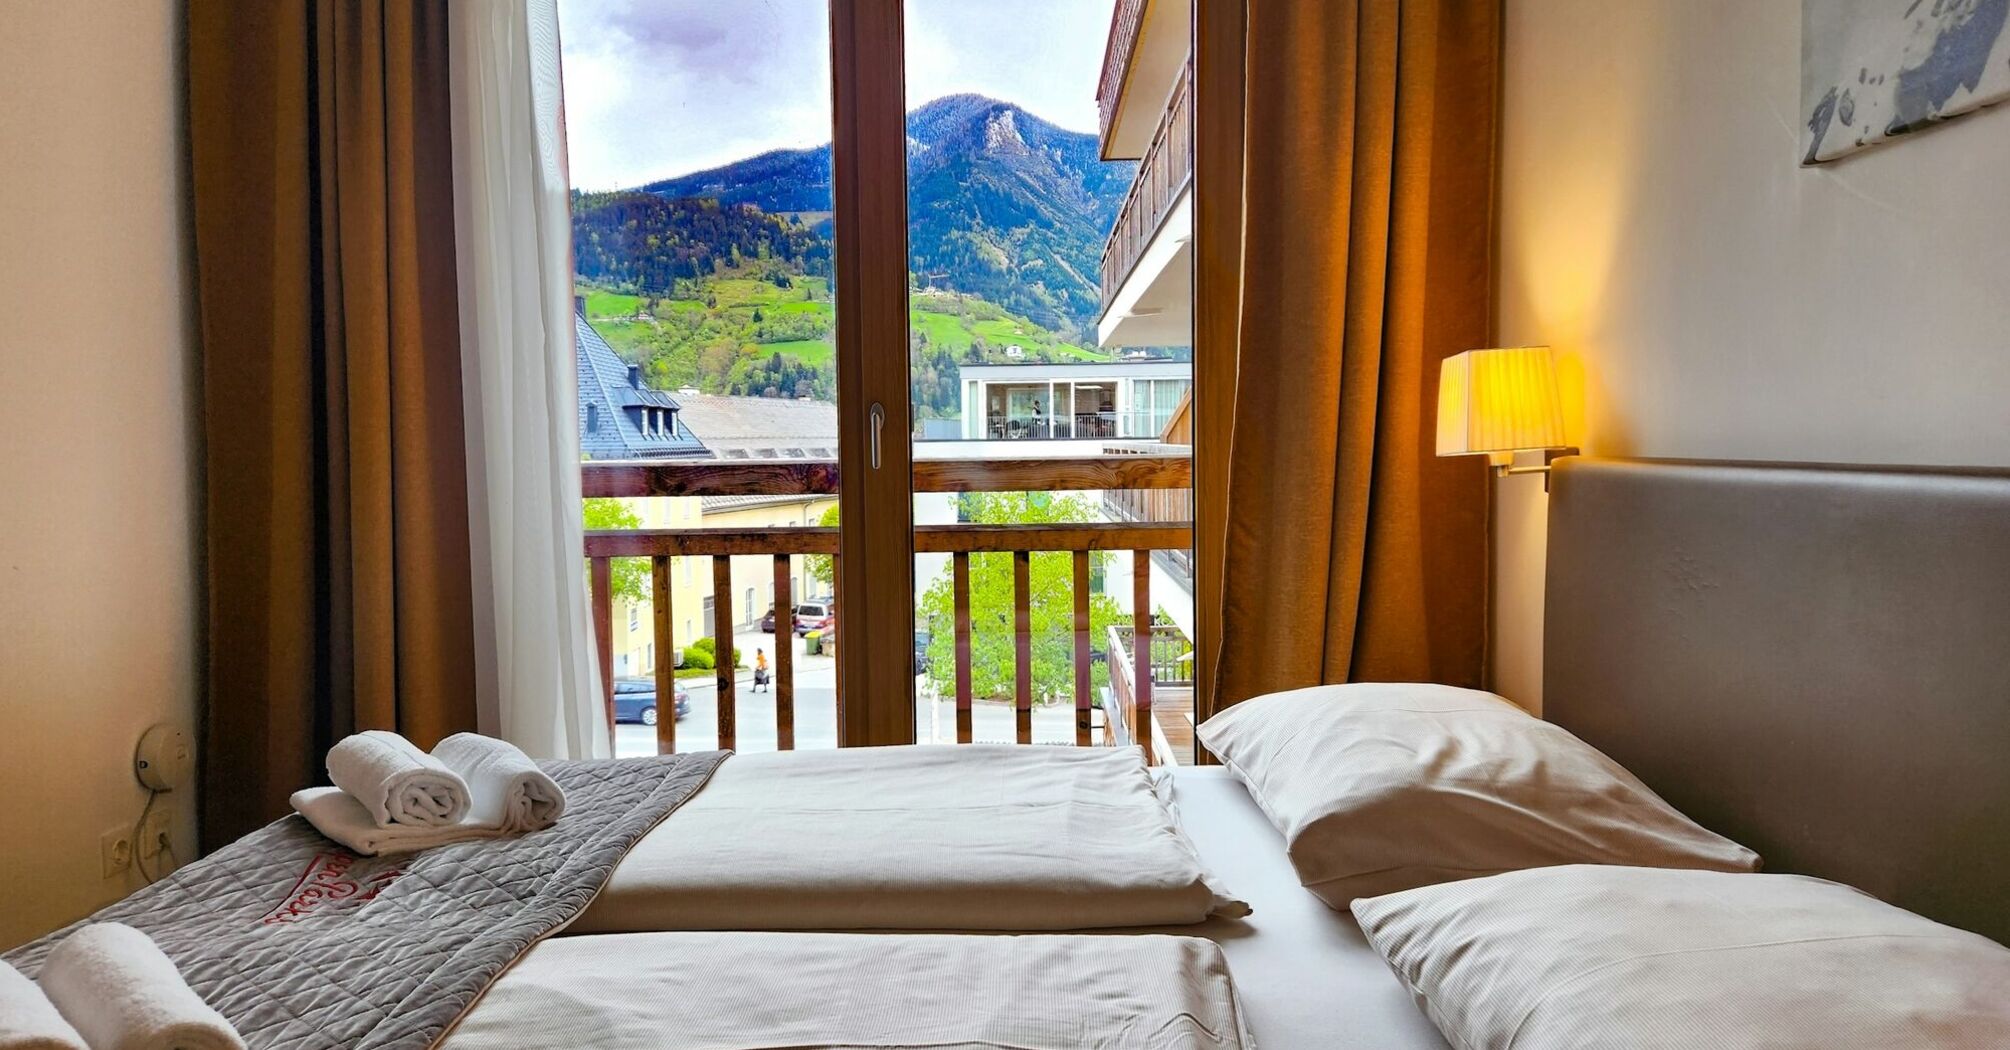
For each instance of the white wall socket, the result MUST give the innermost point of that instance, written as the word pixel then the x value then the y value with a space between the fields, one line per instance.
pixel 115 850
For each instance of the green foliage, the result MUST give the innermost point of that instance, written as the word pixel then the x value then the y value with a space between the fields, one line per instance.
pixel 630 575
pixel 1051 600
pixel 651 242
pixel 703 653
pixel 822 566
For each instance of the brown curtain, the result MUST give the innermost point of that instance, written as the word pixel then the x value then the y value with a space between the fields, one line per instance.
pixel 339 586
pixel 1350 552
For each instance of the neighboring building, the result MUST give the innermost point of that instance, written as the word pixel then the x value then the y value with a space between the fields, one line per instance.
pixel 619 416
pixel 1074 401
pixel 1146 105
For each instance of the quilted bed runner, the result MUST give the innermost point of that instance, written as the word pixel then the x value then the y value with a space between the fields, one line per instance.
pixel 304 945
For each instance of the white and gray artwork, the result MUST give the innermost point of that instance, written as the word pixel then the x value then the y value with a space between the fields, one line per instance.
pixel 1872 70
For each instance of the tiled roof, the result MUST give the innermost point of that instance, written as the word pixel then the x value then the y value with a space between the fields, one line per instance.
pixel 761 427
pixel 613 404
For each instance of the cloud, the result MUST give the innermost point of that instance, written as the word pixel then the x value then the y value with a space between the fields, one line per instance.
pixel 656 88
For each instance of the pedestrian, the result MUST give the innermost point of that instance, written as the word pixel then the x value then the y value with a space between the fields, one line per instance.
pixel 760 670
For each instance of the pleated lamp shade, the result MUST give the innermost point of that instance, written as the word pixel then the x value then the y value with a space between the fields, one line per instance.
pixel 1499 401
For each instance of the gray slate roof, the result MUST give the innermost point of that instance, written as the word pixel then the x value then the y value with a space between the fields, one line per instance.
pixel 613 400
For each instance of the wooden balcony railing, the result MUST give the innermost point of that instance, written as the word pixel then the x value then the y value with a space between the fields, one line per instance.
pixel 1125 21
pixel 1163 174
pixel 782 543
pixel 1136 687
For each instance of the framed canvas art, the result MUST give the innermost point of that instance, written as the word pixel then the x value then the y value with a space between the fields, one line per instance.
pixel 1873 70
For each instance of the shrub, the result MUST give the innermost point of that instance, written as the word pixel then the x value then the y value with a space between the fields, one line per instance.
pixel 700 658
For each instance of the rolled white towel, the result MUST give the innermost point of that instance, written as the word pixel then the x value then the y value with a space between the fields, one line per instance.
pixel 122 993
pixel 335 814
pixel 505 787
pixel 396 782
pixel 28 1020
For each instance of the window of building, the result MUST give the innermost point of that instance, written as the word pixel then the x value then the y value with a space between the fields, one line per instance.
pixel 634 617
pixel 593 419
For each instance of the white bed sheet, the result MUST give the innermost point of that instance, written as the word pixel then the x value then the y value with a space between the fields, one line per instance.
pixel 1307 977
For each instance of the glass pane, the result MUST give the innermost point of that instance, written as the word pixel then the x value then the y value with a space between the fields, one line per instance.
pixel 702 241
pixel 1020 348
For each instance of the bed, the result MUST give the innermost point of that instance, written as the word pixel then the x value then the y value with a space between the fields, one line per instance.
pixel 1808 659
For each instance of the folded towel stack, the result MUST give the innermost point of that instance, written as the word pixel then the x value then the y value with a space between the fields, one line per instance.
pixel 28 1020
pixel 396 782
pixel 502 792
pixel 120 992
pixel 508 789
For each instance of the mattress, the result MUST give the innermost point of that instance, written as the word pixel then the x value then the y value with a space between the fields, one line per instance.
pixel 742 991
pixel 1307 977
pixel 975 837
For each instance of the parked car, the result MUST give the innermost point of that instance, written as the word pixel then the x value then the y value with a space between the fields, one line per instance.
pixel 814 616
pixel 921 660
pixel 635 701
pixel 768 622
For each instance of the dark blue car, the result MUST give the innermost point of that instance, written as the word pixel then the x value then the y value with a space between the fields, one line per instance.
pixel 635 701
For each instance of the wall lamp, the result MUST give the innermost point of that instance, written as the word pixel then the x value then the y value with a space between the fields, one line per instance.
pixel 1499 402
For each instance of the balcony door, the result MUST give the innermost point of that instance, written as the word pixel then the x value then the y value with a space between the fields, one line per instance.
pixel 1047 496
pixel 740 242
pixel 873 328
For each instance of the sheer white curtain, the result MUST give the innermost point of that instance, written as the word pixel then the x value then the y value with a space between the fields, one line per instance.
pixel 538 681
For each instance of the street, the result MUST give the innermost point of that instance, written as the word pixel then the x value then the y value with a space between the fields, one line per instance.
pixel 816 712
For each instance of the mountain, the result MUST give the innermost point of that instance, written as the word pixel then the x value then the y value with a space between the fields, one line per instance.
pixel 1002 204
pixel 648 242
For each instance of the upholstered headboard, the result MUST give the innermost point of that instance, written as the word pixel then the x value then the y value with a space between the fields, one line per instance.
pixel 1813 660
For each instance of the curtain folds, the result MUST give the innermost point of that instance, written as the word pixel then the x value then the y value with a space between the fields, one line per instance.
pixel 337 529
pixel 539 682
pixel 1368 159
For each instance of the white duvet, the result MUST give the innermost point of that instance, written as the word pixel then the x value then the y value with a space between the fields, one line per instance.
pixel 915 838
pixel 735 991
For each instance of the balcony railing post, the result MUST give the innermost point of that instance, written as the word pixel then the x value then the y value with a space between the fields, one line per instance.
pixel 722 648
pixel 784 681
pixel 1083 700
pixel 666 657
pixel 1022 637
pixel 1141 644
pixel 960 583
pixel 601 582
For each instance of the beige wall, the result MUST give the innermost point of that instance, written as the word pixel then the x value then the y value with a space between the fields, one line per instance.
pixel 1710 298
pixel 99 595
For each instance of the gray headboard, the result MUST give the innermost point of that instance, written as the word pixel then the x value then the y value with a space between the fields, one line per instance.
pixel 1813 660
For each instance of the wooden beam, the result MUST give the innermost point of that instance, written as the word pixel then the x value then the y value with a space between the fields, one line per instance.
pixel 784 681
pixel 666 658
pixel 722 640
pixel 1095 536
pixel 960 573
pixel 874 391
pixel 819 477
pixel 1141 643
pixel 1083 680
pixel 601 578
pixel 1022 641
pixel 928 539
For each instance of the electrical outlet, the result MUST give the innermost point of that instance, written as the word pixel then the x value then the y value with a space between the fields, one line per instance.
pixel 115 849
pixel 157 830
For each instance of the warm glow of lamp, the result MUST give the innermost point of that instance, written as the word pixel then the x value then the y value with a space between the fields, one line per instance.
pixel 1499 402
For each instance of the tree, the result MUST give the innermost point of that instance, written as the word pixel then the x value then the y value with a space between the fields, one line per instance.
pixel 820 566
pixel 631 575
pixel 1050 599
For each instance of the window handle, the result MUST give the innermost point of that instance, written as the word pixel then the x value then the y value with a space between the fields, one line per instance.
pixel 878 419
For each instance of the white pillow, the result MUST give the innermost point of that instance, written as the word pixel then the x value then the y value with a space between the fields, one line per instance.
pixel 1593 956
pixel 1379 787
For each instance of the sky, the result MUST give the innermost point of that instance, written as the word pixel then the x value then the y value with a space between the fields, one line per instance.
pixel 655 88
